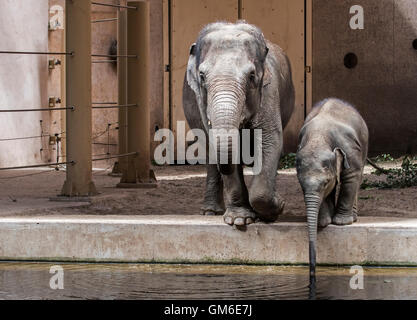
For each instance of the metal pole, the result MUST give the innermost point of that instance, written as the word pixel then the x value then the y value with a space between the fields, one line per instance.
pixel 138 173
pixel 122 90
pixel 78 89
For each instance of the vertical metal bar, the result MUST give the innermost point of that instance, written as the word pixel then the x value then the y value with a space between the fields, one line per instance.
pixel 63 94
pixel 138 173
pixel 122 88
pixel 309 55
pixel 78 89
pixel 167 53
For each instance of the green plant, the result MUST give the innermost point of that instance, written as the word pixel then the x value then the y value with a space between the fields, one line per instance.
pixel 403 177
pixel 383 158
pixel 287 161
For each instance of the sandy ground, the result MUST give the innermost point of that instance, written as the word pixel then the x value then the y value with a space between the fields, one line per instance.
pixel 180 191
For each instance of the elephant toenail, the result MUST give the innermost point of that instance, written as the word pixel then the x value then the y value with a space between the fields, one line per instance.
pixel 239 222
pixel 228 220
pixel 249 221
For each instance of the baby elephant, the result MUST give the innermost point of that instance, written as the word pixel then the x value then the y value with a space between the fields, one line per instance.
pixel 333 146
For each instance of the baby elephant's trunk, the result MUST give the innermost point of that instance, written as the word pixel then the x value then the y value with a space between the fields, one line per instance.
pixel 312 202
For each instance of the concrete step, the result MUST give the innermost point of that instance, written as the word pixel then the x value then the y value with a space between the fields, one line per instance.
pixel 198 239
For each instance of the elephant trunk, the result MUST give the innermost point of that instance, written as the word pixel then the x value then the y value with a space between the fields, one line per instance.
pixel 313 203
pixel 226 100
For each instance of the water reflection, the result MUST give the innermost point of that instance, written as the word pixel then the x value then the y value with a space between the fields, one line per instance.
pixel 140 281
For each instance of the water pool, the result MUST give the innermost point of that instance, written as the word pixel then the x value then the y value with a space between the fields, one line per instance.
pixel 162 281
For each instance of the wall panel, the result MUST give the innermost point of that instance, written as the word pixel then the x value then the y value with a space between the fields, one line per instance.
pixel 383 84
pixel 282 22
pixel 188 17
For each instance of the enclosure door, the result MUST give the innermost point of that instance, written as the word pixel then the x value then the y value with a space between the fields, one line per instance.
pixel 282 22
pixel 187 19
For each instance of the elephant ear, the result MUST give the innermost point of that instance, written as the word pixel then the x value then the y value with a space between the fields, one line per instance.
pixel 341 161
pixel 192 70
pixel 267 73
pixel 267 77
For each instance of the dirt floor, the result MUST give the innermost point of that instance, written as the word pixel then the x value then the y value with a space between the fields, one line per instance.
pixel 180 192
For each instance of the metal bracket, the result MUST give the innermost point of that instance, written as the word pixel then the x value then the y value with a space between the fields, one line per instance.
pixel 53 101
pixel 53 62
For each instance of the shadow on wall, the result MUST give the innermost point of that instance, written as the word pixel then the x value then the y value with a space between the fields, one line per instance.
pixel 23 81
pixel 375 68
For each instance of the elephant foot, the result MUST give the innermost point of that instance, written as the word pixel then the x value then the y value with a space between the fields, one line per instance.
pixel 326 213
pixel 268 210
pixel 343 219
pixel 239 216
pixel 211 210
pixel 324 219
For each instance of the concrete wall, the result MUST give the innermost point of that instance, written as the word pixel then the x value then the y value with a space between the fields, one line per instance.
pixel 383 85
pixel 23 81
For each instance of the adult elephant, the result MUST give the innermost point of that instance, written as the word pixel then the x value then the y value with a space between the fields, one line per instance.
pixel 236 79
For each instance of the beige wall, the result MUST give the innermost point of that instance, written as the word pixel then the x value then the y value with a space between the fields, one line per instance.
pixel 383 86
pixel 104 77
pixel 104 83
pixel 23 81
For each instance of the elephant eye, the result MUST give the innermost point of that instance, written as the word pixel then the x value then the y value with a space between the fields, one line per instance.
pixel 252 76
pixel 202 77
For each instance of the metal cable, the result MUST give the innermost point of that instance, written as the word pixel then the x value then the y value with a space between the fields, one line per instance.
pixel 115 107
pixel 117 156
pixel 113 5
pixel 28 175
pixel 39 165
pixel 40 53
pixel 24 138
pixel 114 56
pixel 104 20
pixel 40 109
pixel 103 61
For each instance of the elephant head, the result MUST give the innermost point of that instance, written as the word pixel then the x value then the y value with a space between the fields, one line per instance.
pixel 318 172
pixel 226 71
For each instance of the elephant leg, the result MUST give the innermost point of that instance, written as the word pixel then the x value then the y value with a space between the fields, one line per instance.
pixel 262 193
pixel 238 210
pixel 345 212
pixel 355 204
pixel 213 200
pixel 355 208
pixel 327 208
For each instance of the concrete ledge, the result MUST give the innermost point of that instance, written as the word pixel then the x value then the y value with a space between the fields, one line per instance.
pixel 380 241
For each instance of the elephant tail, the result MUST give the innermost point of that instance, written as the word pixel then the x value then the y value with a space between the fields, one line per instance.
pixel 380 169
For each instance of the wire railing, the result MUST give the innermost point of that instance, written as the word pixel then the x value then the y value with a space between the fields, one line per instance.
pixel 68 162
pixel 95 105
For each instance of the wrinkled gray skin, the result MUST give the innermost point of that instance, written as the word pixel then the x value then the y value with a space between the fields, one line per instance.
pixel 236 79
pixel 333 149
